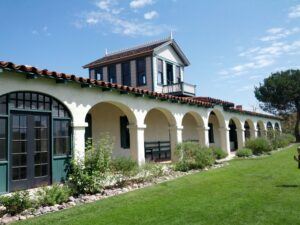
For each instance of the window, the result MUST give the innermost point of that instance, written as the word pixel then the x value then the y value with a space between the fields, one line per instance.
pixel 88 129
pixel 3 139
pixel 170 78
pixel 125 138
pixel 141 72
pixel 92 74
pixel 211 133
pixel 99 73
pixel 3 105
pixel 30 101
pixel 61 137
pixel 112 74
pixel 178 74
pixel 160 72
pixel 126 74
pixel 58 110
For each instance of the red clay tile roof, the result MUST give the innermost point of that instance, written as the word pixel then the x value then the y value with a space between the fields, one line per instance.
pixel 141 50
pixel 102 84
pixel 214 101
pixel 201 101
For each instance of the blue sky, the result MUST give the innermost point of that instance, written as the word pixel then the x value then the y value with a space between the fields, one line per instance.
pixel 232 45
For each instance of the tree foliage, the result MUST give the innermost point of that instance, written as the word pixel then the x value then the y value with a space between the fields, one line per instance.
pixel 279 94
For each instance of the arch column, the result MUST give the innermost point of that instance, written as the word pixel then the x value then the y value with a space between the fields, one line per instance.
pixel 79 141
pixel 224 139
pixel 176 138
pixel 254 133
pixel 240 137
pixel 203 134
pixel 137 148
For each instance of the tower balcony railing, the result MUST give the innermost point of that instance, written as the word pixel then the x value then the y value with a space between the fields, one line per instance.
pixel 180 89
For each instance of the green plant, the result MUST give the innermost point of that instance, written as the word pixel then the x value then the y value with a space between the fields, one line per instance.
pixel 56 194
pixel 98 154
pixel 203 158
pixel 244 152
pixel 259 145
pixel 219 153
pixel 124 165
pixel 16 202
pixel 84 181
pixel 191 156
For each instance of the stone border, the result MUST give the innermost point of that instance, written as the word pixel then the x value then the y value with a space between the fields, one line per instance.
pixel 106 193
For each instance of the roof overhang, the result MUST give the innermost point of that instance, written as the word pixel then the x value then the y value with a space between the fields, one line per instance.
pixel 177 49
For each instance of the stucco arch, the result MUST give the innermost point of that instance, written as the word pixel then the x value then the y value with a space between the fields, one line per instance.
pixel 277 126
pixel 168 115
pixel 112 118
pixel 193 127
pixel 261 128
pixel 236 133
pixel 249 124
pixel 269 125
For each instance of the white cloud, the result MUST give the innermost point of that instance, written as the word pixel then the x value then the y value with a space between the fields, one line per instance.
pixel 151 15
pixel 294 12
pixel 279 33
pixel 135 4
pixel 111 17
pixel 124 26
pixel 41 31
pixel 245 88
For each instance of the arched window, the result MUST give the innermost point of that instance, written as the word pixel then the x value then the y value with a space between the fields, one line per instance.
pixel 40 132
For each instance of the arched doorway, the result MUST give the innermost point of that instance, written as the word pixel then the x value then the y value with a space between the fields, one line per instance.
pixel 270 130
pixel 217 131
pixel 233 135
pixel 260 129
pixel 247 130
pixel 158 143
pixel 38 149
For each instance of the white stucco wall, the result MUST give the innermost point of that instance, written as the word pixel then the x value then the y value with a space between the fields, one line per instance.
pixel 190 128
pixel 157 126
pixel 80 100
pixel 106 119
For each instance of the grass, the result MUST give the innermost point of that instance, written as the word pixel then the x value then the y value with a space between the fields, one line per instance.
pixel 248 191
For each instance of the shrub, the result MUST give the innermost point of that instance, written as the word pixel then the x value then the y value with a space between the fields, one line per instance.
pixel 279 141
pixel 151 170
pixel 57 194
pixel 244 152
pixel 192 156
pixel 204 157
pixel 219 153
pixel 259 145
pixel 17 202
pixel 84 181
pixel 98 155
pixel 290 137
pixel 125 166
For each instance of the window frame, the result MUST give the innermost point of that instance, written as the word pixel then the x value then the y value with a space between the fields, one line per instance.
pixel 123 73
pixel 160 72
pixel 124 132
pixel 112 73
pixel 141 76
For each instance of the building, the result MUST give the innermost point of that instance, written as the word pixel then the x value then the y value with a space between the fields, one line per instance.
pixel 46 116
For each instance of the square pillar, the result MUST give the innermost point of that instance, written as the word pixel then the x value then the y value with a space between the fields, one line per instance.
pixel 240 137
pixel 176 138
pixel 254 133
pixel 203 135
pixel 137 144
pixel 224 139
pixel 79 141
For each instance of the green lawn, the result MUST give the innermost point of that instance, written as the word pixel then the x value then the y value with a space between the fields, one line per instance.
pixel 253 191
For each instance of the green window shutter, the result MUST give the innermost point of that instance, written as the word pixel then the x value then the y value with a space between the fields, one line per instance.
pixel 124 132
